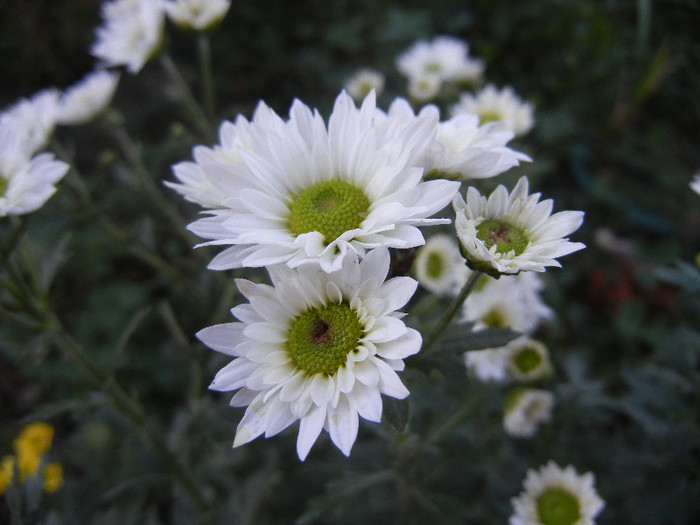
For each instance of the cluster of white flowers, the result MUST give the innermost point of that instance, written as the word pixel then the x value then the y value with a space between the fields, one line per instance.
pixel 430 65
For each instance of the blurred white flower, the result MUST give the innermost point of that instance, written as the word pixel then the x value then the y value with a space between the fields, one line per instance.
pixel 695 184
pixel 439 266
pixel 306 193
pixel 199 15
pixel 487 365
pixel 32 120
pixel 465 150
pixel 316 347
pixel 363 81
pixel 528 360
pixel 506 234
pixel 494 105
pixel 424 88
pixel 513 301
pixel 130 34
pixel 525 409
pixel 87 98
pixel 445 58
pixel 556 496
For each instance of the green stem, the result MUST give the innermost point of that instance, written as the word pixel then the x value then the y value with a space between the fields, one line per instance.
pixel 130 409
pixel 450 313
pixel 195 111
pixel 204 52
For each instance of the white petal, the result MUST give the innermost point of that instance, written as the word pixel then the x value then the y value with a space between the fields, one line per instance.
pixel 343 423
pixel 309 429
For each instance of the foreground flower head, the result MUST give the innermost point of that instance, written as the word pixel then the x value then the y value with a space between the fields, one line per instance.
pixel 507 234
pixel 316 347
pixel 199 15
pixel 525 409
pixel 439 266
pixel 463 149
pixel 298 192
pixel 504 106
pixel 130 34
pixel 86 99
pixel 556 496
pixel 363 81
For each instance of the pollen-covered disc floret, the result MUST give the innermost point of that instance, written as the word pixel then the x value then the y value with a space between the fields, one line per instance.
pixel 509 233
pixel 556 496
pixel 316 347
pixel 300 192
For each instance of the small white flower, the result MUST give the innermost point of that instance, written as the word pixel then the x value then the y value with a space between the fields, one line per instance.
pixel 504 106
pixel 445 58
pixel 33 120
pixel 439 266
pixel 487 365
pixel 306 193
pixel 525 409
pixel 556 496
pixel 513 301
pixel 363 81
pixel 199 15
pixel 507 234
pixel 131 33
pixel 316 347
pixel 695 184
pixel 528 360
pixel 424 88
pixel 87 98
pixel 465 150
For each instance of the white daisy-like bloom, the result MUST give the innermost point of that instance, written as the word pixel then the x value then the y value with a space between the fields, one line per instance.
pixel 513 301
pixel 363 81
pixel 131 33
pixel 33 120
pixel 26 181
pixel 528 359
pixel 494 105
pixel 199 15
pixel 316 347
pixel 305 193
pixel 445 57
pixel 509 233
pixel 439 266
pixel 556 496
pixel 695 184
pixel 487 365
pixel 525 409
pixel 87 98
pixel 424 88
pixel 464 150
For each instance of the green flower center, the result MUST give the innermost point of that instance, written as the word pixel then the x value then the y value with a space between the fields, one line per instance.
pixel 3 186
pixel 434 265
pixel 505 237
pixel 321 338
pixel 494 318
pixel 489 116
pixel 527 359
pixel 557 506
pixel 330 207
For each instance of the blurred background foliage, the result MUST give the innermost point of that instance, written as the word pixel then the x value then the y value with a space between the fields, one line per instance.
pixel 615 84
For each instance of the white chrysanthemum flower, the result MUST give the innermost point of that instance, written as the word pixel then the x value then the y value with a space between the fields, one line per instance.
pixel 316 347
pixel 487 365
pixel 494 105
pixel 199 15
pixel 131 33
pixel 513 301
pixel 425 88
pixel 528 360
pixel 87 98
pixel 556 496
pixel 306 193
pixel 33 120
pixel 525 409
pixel 507 234
pixel 445 58
pixel 439 265
pixel 695 184
pixel 363 81
pixel 465 150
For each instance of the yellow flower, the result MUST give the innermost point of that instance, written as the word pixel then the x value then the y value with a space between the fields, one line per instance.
pixel 34 439
pixel 7 470
pixel 53 477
